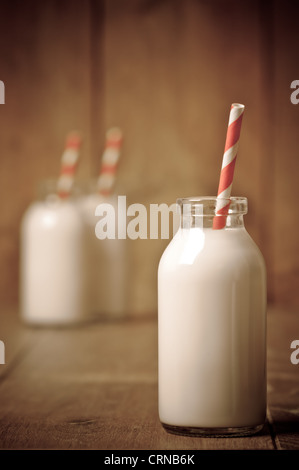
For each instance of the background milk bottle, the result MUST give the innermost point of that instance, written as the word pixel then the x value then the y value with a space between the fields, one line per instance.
pixel 52 284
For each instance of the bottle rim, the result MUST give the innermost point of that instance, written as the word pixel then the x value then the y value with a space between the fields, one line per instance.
pixel 238 205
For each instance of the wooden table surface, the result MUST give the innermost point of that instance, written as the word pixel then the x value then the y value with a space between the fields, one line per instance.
pixel 95 387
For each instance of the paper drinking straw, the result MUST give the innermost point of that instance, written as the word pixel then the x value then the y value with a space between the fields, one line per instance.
pixel 228 164
pixel 110 159
pixel 69 161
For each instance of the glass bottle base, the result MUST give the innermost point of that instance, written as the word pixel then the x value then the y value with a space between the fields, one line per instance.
pixel 213 432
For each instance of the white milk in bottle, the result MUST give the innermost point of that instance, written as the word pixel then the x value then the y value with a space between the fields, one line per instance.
pixel 52 284
pixel 212 325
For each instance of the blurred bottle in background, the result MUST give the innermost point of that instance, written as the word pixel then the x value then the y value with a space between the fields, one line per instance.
pixel 52 276
pixel 52 284
pixel 105 259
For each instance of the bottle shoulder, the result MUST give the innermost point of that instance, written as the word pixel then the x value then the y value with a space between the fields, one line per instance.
pixel 47 214
pixel 208 247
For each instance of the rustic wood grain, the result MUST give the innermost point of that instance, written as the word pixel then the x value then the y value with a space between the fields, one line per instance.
pixel 285 254
pixel 95 387
pixel 45 65
pixel 166 72
pixel 172 71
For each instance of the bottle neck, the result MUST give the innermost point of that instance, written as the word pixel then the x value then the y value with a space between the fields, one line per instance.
pixel 202 213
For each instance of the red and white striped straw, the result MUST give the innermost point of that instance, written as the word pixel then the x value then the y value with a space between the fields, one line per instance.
pixel 228 165
pixel 69 161
pixel 106 179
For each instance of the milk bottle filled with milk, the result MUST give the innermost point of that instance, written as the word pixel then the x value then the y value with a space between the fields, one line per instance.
pixel 52 285
pixel 212 324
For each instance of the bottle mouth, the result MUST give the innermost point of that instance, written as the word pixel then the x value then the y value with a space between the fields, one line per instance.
pixel 207 205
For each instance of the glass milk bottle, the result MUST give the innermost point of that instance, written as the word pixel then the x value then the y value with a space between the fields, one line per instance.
pixel 52 284
pixel 212 325
pixel 105 256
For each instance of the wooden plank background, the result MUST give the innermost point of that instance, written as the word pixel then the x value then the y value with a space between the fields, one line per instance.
pixel 166 72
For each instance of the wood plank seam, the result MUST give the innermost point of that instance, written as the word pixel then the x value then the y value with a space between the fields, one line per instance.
pixel 274 437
